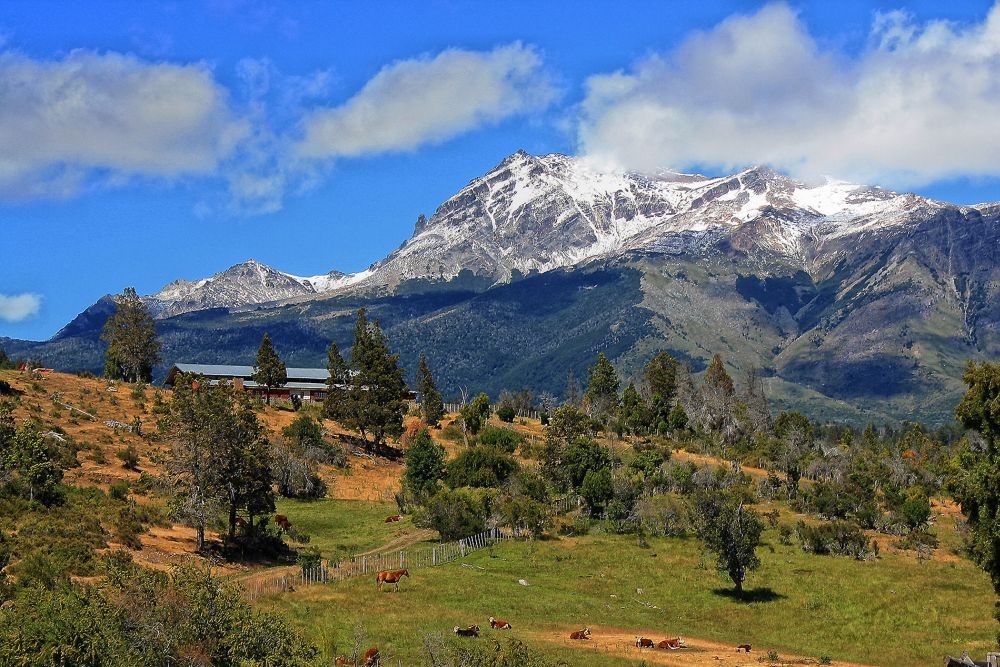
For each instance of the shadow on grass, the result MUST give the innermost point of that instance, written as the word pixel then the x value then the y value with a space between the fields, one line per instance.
pixel 753 595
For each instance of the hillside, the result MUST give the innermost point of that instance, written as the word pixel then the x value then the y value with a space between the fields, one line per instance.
pixel 855 303
pixel 616 586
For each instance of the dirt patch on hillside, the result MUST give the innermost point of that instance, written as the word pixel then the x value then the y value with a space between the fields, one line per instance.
pixel 606 641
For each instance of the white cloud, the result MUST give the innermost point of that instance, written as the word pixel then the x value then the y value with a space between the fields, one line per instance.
pixel 103 117
pixel 920 103
pixel 19 307
pixel 430 99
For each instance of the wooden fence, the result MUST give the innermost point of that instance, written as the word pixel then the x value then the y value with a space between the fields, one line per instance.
pixel 288 579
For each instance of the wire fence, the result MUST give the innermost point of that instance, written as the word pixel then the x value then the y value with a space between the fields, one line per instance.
pixel 291 578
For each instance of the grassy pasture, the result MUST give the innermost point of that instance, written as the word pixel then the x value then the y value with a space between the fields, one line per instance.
pixel 892 611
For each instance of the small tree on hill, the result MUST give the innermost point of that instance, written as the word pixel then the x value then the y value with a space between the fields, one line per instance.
pixel 476 413
pixel 424 465
pixel 431 404
pixel 732 532
pixel 130 333
pixel 602 389
pixel 269 371
pixel 372 401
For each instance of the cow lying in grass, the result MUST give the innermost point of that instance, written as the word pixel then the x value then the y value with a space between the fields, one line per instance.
pixel 674 643
pixel 580 634
pixel 499 624
pixel 471 631
pixel 643 642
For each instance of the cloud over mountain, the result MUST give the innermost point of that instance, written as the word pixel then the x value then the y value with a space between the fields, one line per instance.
pixel 19 307
pixel 428 100
pixel 917 104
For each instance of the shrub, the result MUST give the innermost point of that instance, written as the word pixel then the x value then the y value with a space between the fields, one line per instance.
pixel 501 438
pixel 843 538
pixel 480 467
pixel 118 490
pixel 129 457
pixel 454 514
pixel 506 413
pixel 665 515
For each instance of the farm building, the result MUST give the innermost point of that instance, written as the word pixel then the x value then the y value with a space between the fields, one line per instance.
pixel 308 384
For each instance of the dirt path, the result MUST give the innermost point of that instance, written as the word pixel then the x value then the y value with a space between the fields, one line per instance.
pixel 698 653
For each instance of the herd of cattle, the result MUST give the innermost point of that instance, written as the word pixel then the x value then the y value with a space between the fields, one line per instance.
pixel 372 658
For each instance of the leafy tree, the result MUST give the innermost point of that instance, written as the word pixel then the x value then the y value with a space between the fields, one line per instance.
pixel 25 453
pixel 583 456
pixel 480 467
pixel 130 333
pixel 567 425
pixel 431 404
pixel 295 461
pixel 597 489
pixel 476 413
pixel 269 371
pixel 602 389
pixel 218 454
pixel 372 399
pixel 975 479
pixel 795 433
pixel 455 513
pixel 731 531
pixel 424 464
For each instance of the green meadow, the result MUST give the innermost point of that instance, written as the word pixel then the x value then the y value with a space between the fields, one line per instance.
pixel 895 610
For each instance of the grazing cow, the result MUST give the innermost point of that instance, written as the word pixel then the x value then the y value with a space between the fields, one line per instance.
pixel 282 521
pixel 643 642
pixel 373 658
pixel 743 647
pixel 390 577
pixel 580 634
pixel 391 519
pixel 471 631
pixel 674 643
pixel 499 624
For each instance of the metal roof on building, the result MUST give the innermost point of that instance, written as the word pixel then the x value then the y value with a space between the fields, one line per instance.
pixel 303 375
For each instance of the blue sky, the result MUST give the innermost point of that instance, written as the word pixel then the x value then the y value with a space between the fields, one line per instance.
pixel 142 142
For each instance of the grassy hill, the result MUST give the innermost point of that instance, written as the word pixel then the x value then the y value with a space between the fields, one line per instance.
pixel 895 610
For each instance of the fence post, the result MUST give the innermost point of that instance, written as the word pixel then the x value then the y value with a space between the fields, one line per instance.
pixel 461 547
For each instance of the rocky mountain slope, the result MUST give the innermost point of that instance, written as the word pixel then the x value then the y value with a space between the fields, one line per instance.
pixel 852 301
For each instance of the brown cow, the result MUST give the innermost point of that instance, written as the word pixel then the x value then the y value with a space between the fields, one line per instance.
pixel 499 624
pixel 390 577
pixel 643 642
pixel 580 634
pixel 282 522
pixel 471 631
pixel 373 658
pixel 342 660
pixel 743 647
pixel 674 643
pixel 391 519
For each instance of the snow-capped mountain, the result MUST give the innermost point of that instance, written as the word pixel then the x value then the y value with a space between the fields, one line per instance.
pixel 246 284
pixel 535 214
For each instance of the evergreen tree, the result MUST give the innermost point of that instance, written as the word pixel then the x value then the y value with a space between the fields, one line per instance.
pixel 269 371
pixel 130 333
pixel 431 405
pixel 717 379
pixel 602 389
pixel 634 413
pixel 373 399
pixel 661 381
pixel 424 464
pixel 338 384
pixel 975 480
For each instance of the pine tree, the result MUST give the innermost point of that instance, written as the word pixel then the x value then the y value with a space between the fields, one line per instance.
pixel 338 384
pixel 602 389
pixel 130 333
pixel 372 401
pixel 976 470
pixel 661 379
pixel 432 405
pixel 269 371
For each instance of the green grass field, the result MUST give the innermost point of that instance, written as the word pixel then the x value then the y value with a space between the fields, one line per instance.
pixel 892 611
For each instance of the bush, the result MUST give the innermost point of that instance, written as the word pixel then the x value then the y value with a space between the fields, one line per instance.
pixel 842 538
pixel 506 413
pixel 454 514
pixel 129 457
pixel 480 467
pixel 501 438
pixel 665 515
pixel 118 490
